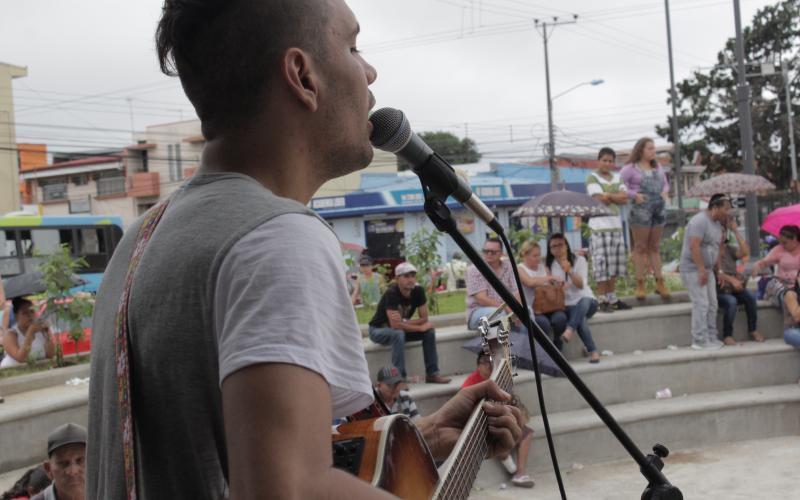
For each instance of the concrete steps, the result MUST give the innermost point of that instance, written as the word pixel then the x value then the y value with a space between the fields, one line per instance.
pixel 26 419
pixel 642 328
pixel 633 377
pixel 679 423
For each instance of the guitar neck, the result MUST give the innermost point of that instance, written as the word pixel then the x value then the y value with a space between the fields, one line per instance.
pixel 470 450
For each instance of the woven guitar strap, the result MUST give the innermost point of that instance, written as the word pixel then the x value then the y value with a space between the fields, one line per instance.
pixel 122 344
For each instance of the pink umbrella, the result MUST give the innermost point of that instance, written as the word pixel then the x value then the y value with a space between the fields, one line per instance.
pixel 781 217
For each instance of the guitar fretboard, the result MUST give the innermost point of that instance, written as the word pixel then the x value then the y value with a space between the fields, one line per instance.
pixel 471 448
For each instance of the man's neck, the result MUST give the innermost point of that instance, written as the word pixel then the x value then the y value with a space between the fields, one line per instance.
pixel 284 167
pixel 497 267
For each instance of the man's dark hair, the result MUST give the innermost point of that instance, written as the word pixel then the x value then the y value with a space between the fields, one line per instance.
pixel 482 356
pixel 18 303
pixel 718 200
pixel 495 239
pixel 548 262
pixel 790 231
pixel 226 51
pixel 606 151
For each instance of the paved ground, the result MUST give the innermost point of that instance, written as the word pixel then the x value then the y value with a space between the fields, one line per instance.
pixel 765 469
pixel 754 470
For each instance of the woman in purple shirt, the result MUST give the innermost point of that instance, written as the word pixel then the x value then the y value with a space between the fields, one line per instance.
pixel 648 188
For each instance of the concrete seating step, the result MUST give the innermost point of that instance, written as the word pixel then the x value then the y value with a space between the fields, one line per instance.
pixel 27 418
pixel 43 379
pixel 632 377
pixel 642 328
pixel 679 423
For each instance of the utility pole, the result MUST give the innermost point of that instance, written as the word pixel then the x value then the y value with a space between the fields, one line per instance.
pixel 790 117
pixel 677 160
pixel 551 146
pixel 746 132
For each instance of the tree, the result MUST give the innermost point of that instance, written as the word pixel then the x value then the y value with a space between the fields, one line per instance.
pixel 451 148
pixel 422 250
pixel 68 310
pixel 708 117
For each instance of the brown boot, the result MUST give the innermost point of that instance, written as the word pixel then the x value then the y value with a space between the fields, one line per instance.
pixel 640 292
pixel 661 289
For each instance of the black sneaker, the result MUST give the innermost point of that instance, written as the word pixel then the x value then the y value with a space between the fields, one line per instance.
pixel 605 307
pixel 620 306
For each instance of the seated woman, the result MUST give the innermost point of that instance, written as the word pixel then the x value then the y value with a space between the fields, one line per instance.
pixel 573 271
pixel 787 257
pixel 29 338
pixel 534 274
pixel 791 315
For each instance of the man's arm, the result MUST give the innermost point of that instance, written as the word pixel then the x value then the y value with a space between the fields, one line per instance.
pixel 697 258
pixel 279 444
pixel 407 325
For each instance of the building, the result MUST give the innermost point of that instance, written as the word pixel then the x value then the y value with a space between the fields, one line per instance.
pixel 129 180
pixel 9 166
pixel 389 206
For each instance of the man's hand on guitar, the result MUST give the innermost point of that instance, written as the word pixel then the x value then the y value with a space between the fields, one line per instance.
pixel 442 429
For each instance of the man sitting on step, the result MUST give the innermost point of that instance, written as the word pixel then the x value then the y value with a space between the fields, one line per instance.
pixel 392 323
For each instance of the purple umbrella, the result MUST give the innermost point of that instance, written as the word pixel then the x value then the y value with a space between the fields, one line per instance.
pixel 782 217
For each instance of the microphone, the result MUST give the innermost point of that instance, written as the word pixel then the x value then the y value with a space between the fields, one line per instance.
pixel 391 131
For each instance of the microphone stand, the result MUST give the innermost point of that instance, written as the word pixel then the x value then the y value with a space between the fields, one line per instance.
pixel 658 488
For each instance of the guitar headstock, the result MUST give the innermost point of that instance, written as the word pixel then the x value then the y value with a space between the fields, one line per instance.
pixel 495 343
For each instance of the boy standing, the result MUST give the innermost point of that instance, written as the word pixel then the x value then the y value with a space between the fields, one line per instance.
pixel 607 244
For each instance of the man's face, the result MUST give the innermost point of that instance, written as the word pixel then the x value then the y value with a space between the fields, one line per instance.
pixel 66 468
pixel 485 368
pixel 606 163
pixel 407 282
pixel 492 252
pixel 345 98
pixel 722 213
pixel 389 392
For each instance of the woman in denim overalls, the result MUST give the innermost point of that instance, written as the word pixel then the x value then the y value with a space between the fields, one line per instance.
pixel 649 189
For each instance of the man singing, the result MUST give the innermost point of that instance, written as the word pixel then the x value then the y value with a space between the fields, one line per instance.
pixel 239 358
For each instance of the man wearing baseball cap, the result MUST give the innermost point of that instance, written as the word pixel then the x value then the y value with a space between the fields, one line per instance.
pixel 65 465
pixel 393 325
pixel 390 388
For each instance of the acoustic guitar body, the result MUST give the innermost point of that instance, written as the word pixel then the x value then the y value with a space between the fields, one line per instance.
pixel 389 453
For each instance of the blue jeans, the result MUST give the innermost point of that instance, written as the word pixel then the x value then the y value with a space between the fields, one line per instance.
pixel 729 302
pixel 579 315
pixel 792 336
pixel 397 339
pixel 554 324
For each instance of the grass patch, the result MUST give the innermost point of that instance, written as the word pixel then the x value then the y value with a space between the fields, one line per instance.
pixel 41 366
pixel 449 302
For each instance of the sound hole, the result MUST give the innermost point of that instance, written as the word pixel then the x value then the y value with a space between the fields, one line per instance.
pixel 347 454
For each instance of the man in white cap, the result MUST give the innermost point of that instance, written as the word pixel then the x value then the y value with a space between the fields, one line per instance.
pixel 65 465
pixel 393 325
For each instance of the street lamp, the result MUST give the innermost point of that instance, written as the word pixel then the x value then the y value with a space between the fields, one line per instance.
pixel 551 147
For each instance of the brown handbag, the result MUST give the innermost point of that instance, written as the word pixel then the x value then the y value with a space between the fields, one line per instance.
pixel 548 298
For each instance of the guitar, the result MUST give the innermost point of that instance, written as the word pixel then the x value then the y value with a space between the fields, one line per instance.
pixel 389 452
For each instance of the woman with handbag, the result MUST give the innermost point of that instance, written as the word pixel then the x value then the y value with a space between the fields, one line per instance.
pixel 544 292
pixel 572 271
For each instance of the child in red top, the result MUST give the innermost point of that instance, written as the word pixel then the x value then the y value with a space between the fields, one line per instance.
pixel 519 476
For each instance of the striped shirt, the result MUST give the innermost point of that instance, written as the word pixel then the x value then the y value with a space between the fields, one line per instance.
pixel 405 404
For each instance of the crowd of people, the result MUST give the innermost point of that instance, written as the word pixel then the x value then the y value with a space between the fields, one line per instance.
pixel 556 280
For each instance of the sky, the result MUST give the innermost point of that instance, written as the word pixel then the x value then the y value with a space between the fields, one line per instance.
pixel 471 67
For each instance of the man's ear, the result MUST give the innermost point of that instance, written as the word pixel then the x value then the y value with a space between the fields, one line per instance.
pixel 301 78
pixel 46 465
